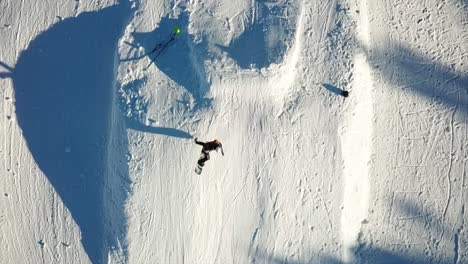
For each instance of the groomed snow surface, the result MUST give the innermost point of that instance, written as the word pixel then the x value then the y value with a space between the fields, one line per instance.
pixel 96 143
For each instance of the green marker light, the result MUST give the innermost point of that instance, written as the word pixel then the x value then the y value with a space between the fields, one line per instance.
pixel 176 30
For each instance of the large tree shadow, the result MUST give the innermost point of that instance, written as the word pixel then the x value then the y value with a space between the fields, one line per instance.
pixel 425 223
pixel 63 84
pixel 265 258
pixel 369 255
pixel 409 69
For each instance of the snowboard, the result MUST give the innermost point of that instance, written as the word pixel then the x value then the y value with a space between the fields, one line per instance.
pixel 198 169
pixel 200 164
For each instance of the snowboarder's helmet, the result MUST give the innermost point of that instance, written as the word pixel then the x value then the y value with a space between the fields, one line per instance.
pixel 217 142
pixel 176 30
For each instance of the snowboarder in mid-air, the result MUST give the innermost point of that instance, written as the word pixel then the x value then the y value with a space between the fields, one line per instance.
pixel 205 152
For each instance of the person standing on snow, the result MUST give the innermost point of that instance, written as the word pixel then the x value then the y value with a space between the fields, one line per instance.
pixel 205 152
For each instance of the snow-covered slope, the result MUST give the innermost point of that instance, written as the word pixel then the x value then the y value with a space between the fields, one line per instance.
pixel 419 166
pixel 97 143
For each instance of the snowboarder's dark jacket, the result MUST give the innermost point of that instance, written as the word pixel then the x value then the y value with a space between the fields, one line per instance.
pixel 209 146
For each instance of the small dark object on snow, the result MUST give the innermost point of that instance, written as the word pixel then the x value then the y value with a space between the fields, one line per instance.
pixel 41 243
pixel 335 90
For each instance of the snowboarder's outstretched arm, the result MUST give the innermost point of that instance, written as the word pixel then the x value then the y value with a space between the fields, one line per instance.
pixel 199 142
pixel 221 148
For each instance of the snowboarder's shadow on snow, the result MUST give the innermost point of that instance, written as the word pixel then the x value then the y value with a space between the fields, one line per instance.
pixel 171 132
pixel 134 109
pixel 63 88
pixel 335 90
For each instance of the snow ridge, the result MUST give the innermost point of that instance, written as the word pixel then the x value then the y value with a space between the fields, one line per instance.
pixel 356 150
pixel 283 82
pixel 356 140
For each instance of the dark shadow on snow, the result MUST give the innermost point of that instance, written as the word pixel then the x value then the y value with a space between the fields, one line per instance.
pixel 369 253
pixel 180 61
pixel 409 69
pixel 275 259
pixel 8 73
pixel 365 256
pixel 166 131
pixel 335 90
pixel 423 224
pixel 249 50
pixel 134 108
pixel 265 39
pixel 63 84
pixel 4 75
pixel 440 84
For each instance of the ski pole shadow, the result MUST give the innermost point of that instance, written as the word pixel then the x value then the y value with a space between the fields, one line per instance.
pixel 335 90
pixel 63 88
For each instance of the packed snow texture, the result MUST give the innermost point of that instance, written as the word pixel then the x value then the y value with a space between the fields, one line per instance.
pixel 97 155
